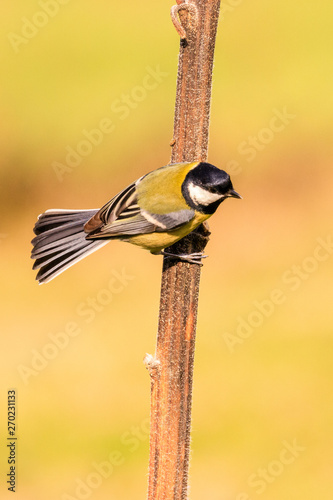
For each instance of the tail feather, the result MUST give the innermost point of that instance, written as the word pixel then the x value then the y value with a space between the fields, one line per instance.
pixel 43 247
pixel 52 219
pixel 53 254
pixel 53 234
pixel 61 241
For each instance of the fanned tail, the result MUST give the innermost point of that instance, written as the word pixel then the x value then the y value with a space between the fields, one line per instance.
pixel 61 241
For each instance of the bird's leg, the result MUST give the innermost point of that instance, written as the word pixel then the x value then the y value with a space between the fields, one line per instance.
pixel 193 258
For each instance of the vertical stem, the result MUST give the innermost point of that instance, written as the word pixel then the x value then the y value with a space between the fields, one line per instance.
pixel 194 83
pixel 171 375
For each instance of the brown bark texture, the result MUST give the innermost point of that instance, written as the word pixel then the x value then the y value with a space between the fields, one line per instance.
pixel 171 369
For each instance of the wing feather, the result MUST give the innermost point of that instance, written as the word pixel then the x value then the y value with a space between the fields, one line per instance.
pixel 122 216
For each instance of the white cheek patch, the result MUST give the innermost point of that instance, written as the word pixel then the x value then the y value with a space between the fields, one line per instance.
pixel 201 196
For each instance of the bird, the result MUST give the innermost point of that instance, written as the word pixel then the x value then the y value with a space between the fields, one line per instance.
pixel 157 210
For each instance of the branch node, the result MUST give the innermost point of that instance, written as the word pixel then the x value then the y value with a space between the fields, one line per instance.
pixel 153 365
pixel 184 5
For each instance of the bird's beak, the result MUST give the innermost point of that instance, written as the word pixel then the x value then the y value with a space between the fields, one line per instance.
pixel 233 193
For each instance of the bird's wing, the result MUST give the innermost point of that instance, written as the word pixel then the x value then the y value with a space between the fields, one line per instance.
pixel 124 204
pixel 122 216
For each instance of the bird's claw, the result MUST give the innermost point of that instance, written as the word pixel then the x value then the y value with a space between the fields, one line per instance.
pixel 192 258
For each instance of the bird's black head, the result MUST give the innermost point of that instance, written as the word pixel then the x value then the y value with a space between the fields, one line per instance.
pixel 206 186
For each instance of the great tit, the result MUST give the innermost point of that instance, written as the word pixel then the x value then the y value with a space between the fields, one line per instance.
pixel 154 212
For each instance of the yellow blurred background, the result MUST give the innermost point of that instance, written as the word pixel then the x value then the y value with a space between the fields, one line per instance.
pixel 73 349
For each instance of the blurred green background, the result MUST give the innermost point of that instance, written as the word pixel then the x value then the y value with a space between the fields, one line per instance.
pixel 263 371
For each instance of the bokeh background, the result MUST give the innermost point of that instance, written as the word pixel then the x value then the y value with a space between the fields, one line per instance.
pixel 263 371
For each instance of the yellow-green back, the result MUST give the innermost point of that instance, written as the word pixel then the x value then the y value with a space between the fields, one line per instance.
pixel 160 191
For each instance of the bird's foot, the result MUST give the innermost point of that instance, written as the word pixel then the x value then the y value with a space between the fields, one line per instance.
pixel 193 258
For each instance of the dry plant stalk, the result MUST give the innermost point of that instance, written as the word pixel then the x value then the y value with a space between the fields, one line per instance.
pixel 172 368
